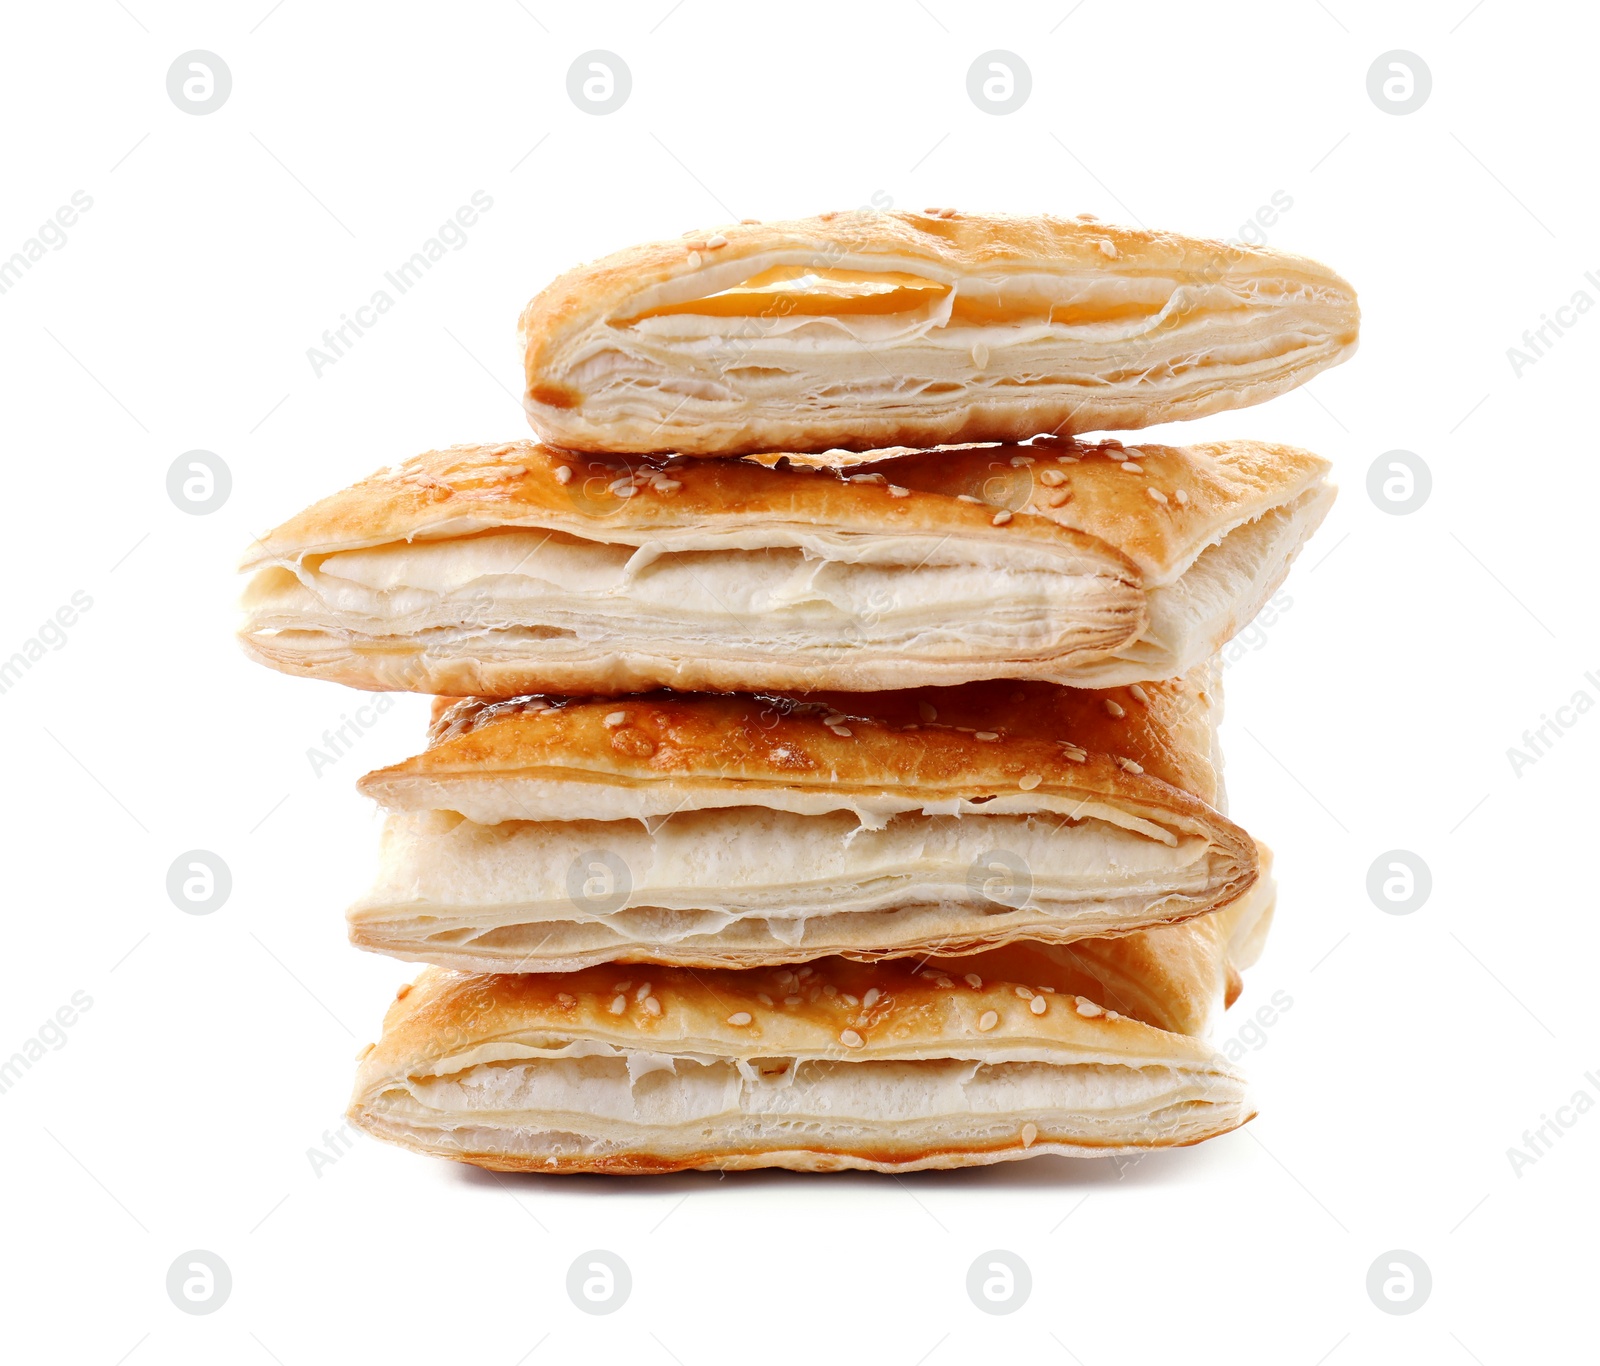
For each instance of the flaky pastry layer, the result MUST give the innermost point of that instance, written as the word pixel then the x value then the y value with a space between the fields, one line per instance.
pixel 494 571
pixel 864 330
pixel 550 834
pixel 829 1066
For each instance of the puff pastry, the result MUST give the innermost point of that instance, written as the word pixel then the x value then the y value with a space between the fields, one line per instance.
pixel 865 330
pixel 542 835
pixel 499 571
pixel 818 1068
pixel 1175 977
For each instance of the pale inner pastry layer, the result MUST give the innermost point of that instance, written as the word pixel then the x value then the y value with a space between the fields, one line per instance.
pixel 590 1099
pixel 1216 596
pixel 514 591
pixel 781 337
pixel 743 881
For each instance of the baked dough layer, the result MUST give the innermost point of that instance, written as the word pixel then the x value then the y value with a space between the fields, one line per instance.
pixel 478 571
pixel 1175 977
pixel 548 834
pixel 829 1066
pixel 865 330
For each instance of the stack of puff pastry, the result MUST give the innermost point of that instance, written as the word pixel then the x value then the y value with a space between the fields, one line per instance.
pixel 823 770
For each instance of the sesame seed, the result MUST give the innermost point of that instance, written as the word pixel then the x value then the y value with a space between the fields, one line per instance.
pixel 830 990
pixel 848 999
pixel 1029 781
pixel 967 498
pixel 1112 443
pixel 791 1000
pixel 988 1020
pixel 980 355
pixel 1022 992
pixel 748 221
pixel 619 1005
pixel 694 259
pixel 403 992
pixel 895 491
pixel 871 998
pixel 1030 1134
pixel 1002 517
pixel 850 1039
pixel 844 732
pixel 642 992
pixel 623 986
pixel 1182 497
pixel 562 998
pixel 563 474
pixel 985 735
pixel 652 1006
pixel 1088 1008
pixel 927 711
pixel 1073 753
pixel 1107 249
pixel 740 1017
pixel 974 981
pixel 1157 495
pixel 1020 461
pixel 947 213
pixel 763 998
pixel 1059 497
pixel 805 971
pixel 1038 1005
pixel 668 485
pixel 1140 695
pixel 615 719
pixel 1115 708
pixel 716 240
pixel 827 217
pixel 1133 467
pixel 1130 766
pixel 1052 478
pixel 943 981
pixel 1069 460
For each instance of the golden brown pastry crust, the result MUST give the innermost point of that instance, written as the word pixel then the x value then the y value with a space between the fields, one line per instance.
pixel 832 1010
pixel 1134 521
pixel 1174 977
pixel 757 747
pixel 1189 327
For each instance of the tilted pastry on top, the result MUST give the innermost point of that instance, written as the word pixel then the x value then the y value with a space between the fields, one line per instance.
pixel 498 571
pixel 818 1068
pixel 731 830
pixel 863 330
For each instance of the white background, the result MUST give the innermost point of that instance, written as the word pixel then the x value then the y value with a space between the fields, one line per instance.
pixel 1376 713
